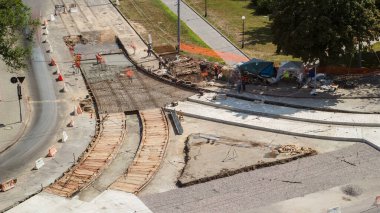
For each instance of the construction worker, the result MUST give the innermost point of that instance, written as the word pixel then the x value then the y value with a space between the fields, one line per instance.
pixel 244 80
pixel 160 62
pixel 133 46
pixel 129 74
pixel 216 70
pixel 99 58
pixel 149 50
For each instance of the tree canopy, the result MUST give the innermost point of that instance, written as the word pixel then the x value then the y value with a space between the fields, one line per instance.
pixel 14 18
pixel 321 29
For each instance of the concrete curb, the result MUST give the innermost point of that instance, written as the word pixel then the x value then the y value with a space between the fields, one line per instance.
pixel 271 115
pixel 358 140
pixel 220 33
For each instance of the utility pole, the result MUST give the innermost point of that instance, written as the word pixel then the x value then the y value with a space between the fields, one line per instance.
pixel 205 8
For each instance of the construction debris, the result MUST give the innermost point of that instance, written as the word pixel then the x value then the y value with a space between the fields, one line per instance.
pixel 293 150
pixel 87 105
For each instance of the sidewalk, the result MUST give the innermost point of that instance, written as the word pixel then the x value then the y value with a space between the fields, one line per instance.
pixel 228 52
pixel 10 126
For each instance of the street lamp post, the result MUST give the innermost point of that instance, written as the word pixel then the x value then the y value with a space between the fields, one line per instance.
pixel 242 41
pixel 179 25
pixel 205 8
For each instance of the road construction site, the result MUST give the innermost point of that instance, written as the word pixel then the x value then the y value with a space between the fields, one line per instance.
pixel 234 154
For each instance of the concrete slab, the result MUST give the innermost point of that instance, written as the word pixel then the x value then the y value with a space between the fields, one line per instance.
pixel 297 128
pixel 108 201
pixel 313 116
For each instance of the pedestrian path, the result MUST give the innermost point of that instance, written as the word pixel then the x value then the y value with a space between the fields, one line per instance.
pixel 367 135
pixel 312 116
pixel 228 52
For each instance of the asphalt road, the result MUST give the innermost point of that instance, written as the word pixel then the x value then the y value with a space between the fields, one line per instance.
pixel 43 123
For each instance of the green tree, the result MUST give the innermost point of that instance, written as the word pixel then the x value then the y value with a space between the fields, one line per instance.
pixel 322 29
pixel 263 7
pixel 14 18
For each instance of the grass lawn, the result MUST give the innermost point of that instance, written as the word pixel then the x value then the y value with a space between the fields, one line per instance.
pixel 376 47
pixel 155 18
pixel 226 15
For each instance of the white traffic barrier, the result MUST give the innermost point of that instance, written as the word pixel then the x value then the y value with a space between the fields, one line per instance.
pixel 39 163
pixel 52 18
pixel 46 32
pixel 64 137
pixel 334 210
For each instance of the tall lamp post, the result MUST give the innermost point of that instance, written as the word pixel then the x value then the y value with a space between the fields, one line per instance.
pixel 205 8
pixel 242 41
pixel 179 25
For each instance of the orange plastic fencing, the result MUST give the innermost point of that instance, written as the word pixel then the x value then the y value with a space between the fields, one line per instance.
pixel 212 53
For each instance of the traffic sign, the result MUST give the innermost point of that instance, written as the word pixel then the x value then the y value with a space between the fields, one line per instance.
pixel 21 79
pixel 14 80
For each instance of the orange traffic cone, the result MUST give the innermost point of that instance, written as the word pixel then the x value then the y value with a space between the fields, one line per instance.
pixel 60 77
pixel 52 62
pixel 79 110
pixel 71 124
pixel 52 151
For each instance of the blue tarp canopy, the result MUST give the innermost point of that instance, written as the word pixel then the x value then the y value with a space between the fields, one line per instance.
pixel 258 67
